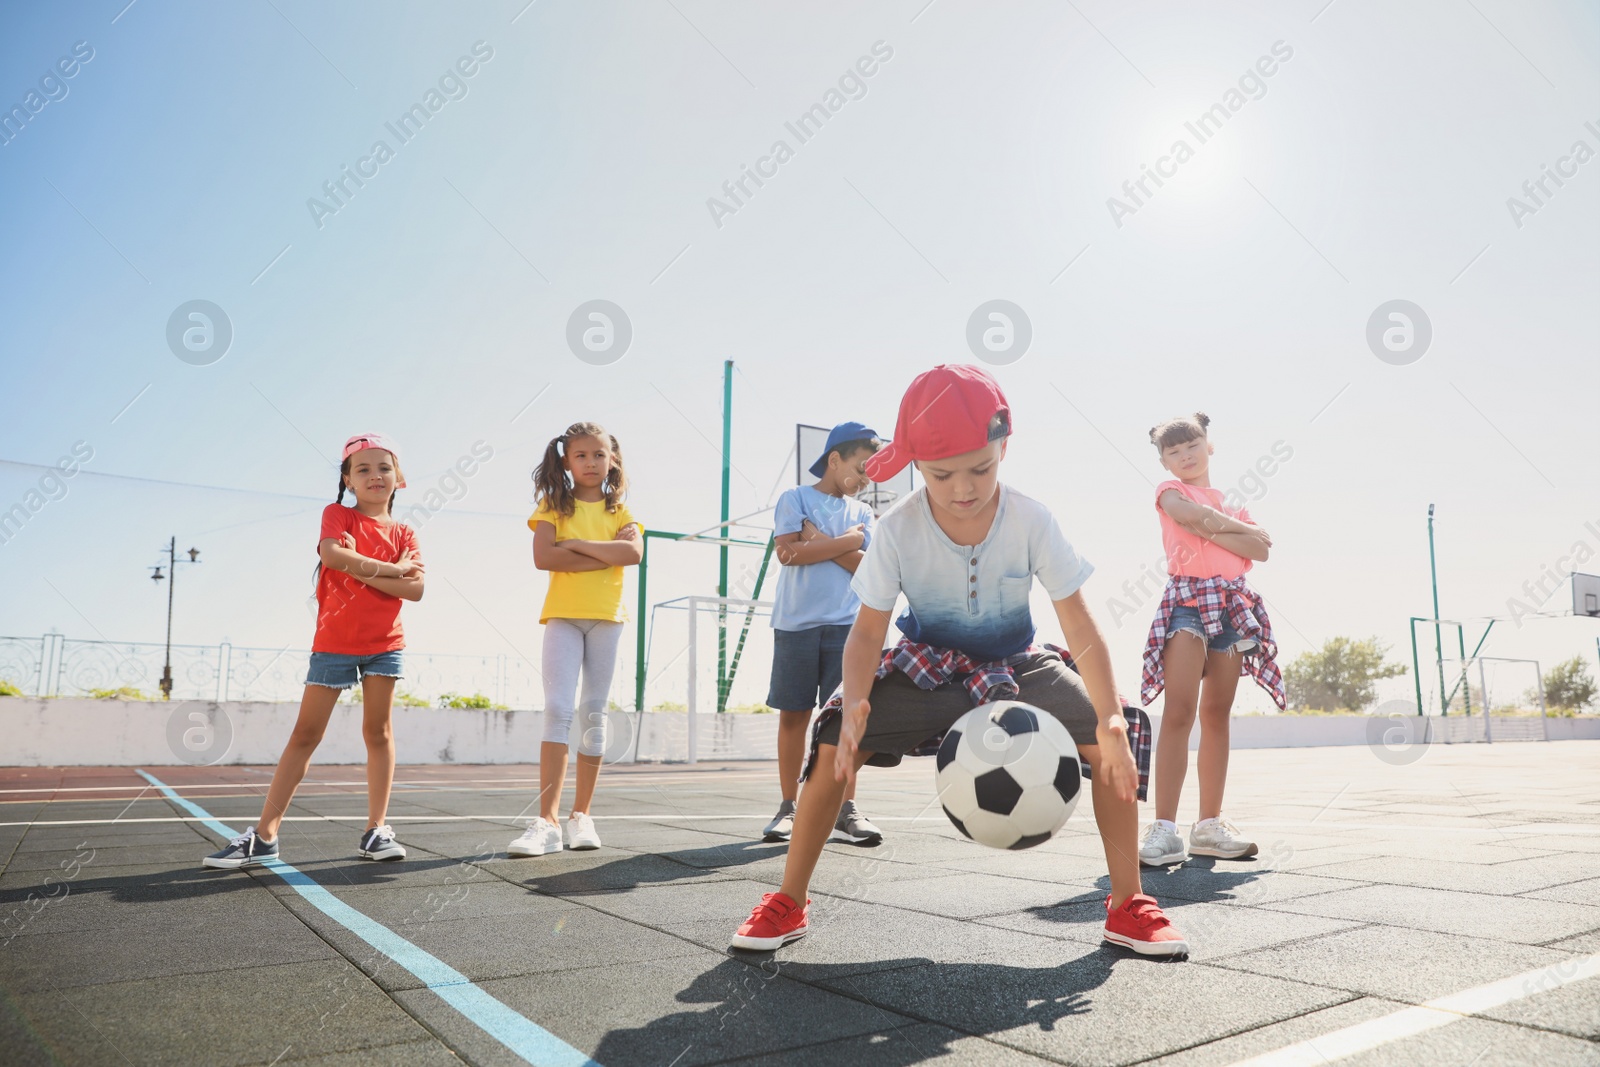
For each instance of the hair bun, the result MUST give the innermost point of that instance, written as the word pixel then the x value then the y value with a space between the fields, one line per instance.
pixel 1203 419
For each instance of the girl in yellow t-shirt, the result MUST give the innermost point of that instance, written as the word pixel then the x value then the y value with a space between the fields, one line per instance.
pixel 583 534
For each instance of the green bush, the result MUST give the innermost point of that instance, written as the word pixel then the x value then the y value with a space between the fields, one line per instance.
pixel 476 700
pixel 126 692
pixel 1511 711
pixel 670 705
pixel 9 690
pixel 407 699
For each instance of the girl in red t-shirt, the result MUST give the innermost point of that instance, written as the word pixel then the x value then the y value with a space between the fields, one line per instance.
pixel 369 564
pixel 1209 628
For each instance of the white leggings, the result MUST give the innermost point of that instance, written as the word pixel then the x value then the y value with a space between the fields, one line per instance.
pixel 568 645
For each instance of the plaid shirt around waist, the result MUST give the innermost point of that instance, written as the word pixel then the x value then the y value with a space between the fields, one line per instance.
pixel 929 667
pixel 1218 600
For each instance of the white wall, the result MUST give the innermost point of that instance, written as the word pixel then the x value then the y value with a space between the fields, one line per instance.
pixel 113 733
pixel 110 733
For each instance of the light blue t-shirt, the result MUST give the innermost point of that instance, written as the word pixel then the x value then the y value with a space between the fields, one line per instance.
pixel 816 594
pixel 974 600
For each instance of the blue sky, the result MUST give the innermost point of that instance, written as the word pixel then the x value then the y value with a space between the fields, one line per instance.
pixel 976 162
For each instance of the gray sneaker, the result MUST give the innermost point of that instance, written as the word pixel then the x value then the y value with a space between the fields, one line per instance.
pixel 1161 847
pixel 854 825
pixel 1219 837
pixel 782 824
pixel 378 843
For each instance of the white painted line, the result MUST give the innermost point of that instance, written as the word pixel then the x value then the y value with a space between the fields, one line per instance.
pixel 620 785
pixel 1369 1035
pixel 617 779
pixel 1532 828
pixel 756 817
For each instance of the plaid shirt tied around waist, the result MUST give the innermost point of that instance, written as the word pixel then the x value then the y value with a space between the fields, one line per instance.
pixel 929 667
pixel 1218 600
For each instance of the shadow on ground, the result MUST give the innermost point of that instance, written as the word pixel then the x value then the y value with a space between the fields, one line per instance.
pixel 753 1000
pixel 200 881
pixel 643 869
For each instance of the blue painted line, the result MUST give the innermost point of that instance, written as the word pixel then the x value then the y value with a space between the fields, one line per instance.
pixel 515 1031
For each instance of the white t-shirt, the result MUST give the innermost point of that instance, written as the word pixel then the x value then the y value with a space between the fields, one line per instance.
pixel 974 600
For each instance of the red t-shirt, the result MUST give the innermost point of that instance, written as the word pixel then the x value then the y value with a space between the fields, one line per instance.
pixel 352 617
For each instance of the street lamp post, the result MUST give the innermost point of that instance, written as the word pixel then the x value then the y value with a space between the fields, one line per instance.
pixel 172 569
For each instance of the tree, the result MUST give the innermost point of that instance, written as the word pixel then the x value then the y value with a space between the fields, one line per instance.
pixel 1341 675
pixel 1568 685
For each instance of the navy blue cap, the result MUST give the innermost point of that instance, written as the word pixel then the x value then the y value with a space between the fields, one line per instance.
pixel 845 431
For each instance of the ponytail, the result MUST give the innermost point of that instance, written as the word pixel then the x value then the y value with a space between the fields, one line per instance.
pixel 550 480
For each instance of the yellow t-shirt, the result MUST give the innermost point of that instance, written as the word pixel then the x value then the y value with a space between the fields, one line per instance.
pixel 584 594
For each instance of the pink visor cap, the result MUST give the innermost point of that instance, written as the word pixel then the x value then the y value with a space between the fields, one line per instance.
pixel 374 440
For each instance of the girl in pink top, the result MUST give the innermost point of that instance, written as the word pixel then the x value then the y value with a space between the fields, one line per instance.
pixel 1208 623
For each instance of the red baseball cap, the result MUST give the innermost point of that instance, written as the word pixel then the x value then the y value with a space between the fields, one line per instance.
pixel 947 411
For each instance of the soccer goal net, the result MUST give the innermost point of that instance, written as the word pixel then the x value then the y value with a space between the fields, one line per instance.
pixel 710 659
pixel 1493 698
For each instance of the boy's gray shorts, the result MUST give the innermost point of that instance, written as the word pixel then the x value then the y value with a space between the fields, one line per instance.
pixel 904 716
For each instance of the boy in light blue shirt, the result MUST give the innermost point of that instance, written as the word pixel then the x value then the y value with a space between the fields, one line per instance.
pixel 821 533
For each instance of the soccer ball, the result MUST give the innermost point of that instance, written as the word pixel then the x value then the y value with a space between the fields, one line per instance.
pixel 1008 775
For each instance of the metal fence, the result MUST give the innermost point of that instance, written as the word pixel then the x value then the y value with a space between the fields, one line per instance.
pixel 56 666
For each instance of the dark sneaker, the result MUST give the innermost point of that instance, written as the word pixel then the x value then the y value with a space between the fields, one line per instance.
pixel 378 843
pixel 782 824
pixel 854 825
pixel 246 850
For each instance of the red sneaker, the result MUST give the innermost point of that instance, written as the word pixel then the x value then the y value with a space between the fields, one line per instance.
pixel 1141 925
pixel 775 922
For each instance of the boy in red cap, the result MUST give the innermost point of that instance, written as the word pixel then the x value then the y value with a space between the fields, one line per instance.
pixel 964 550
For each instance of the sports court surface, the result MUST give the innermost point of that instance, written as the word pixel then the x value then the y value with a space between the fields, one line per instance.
pixel 1468 880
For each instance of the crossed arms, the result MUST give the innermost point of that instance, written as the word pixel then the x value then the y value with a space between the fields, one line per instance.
pixel 576 554
pixel 402 578
pixel 810 545
pixel 1240 538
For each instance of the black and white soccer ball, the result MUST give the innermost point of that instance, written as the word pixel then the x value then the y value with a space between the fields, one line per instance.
pixel 1008 775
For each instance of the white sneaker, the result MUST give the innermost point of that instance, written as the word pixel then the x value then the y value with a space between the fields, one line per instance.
pixel 1161 847
pixel 1219 837
pixel 542 836
pixel 581 833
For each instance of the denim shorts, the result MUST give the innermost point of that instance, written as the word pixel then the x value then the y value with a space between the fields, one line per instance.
pixel 806 667
pixel 1187 617
pixel 339 671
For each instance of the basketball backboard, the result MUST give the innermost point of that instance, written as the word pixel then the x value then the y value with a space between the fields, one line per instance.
pixel 809 442
pixel 1586 594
